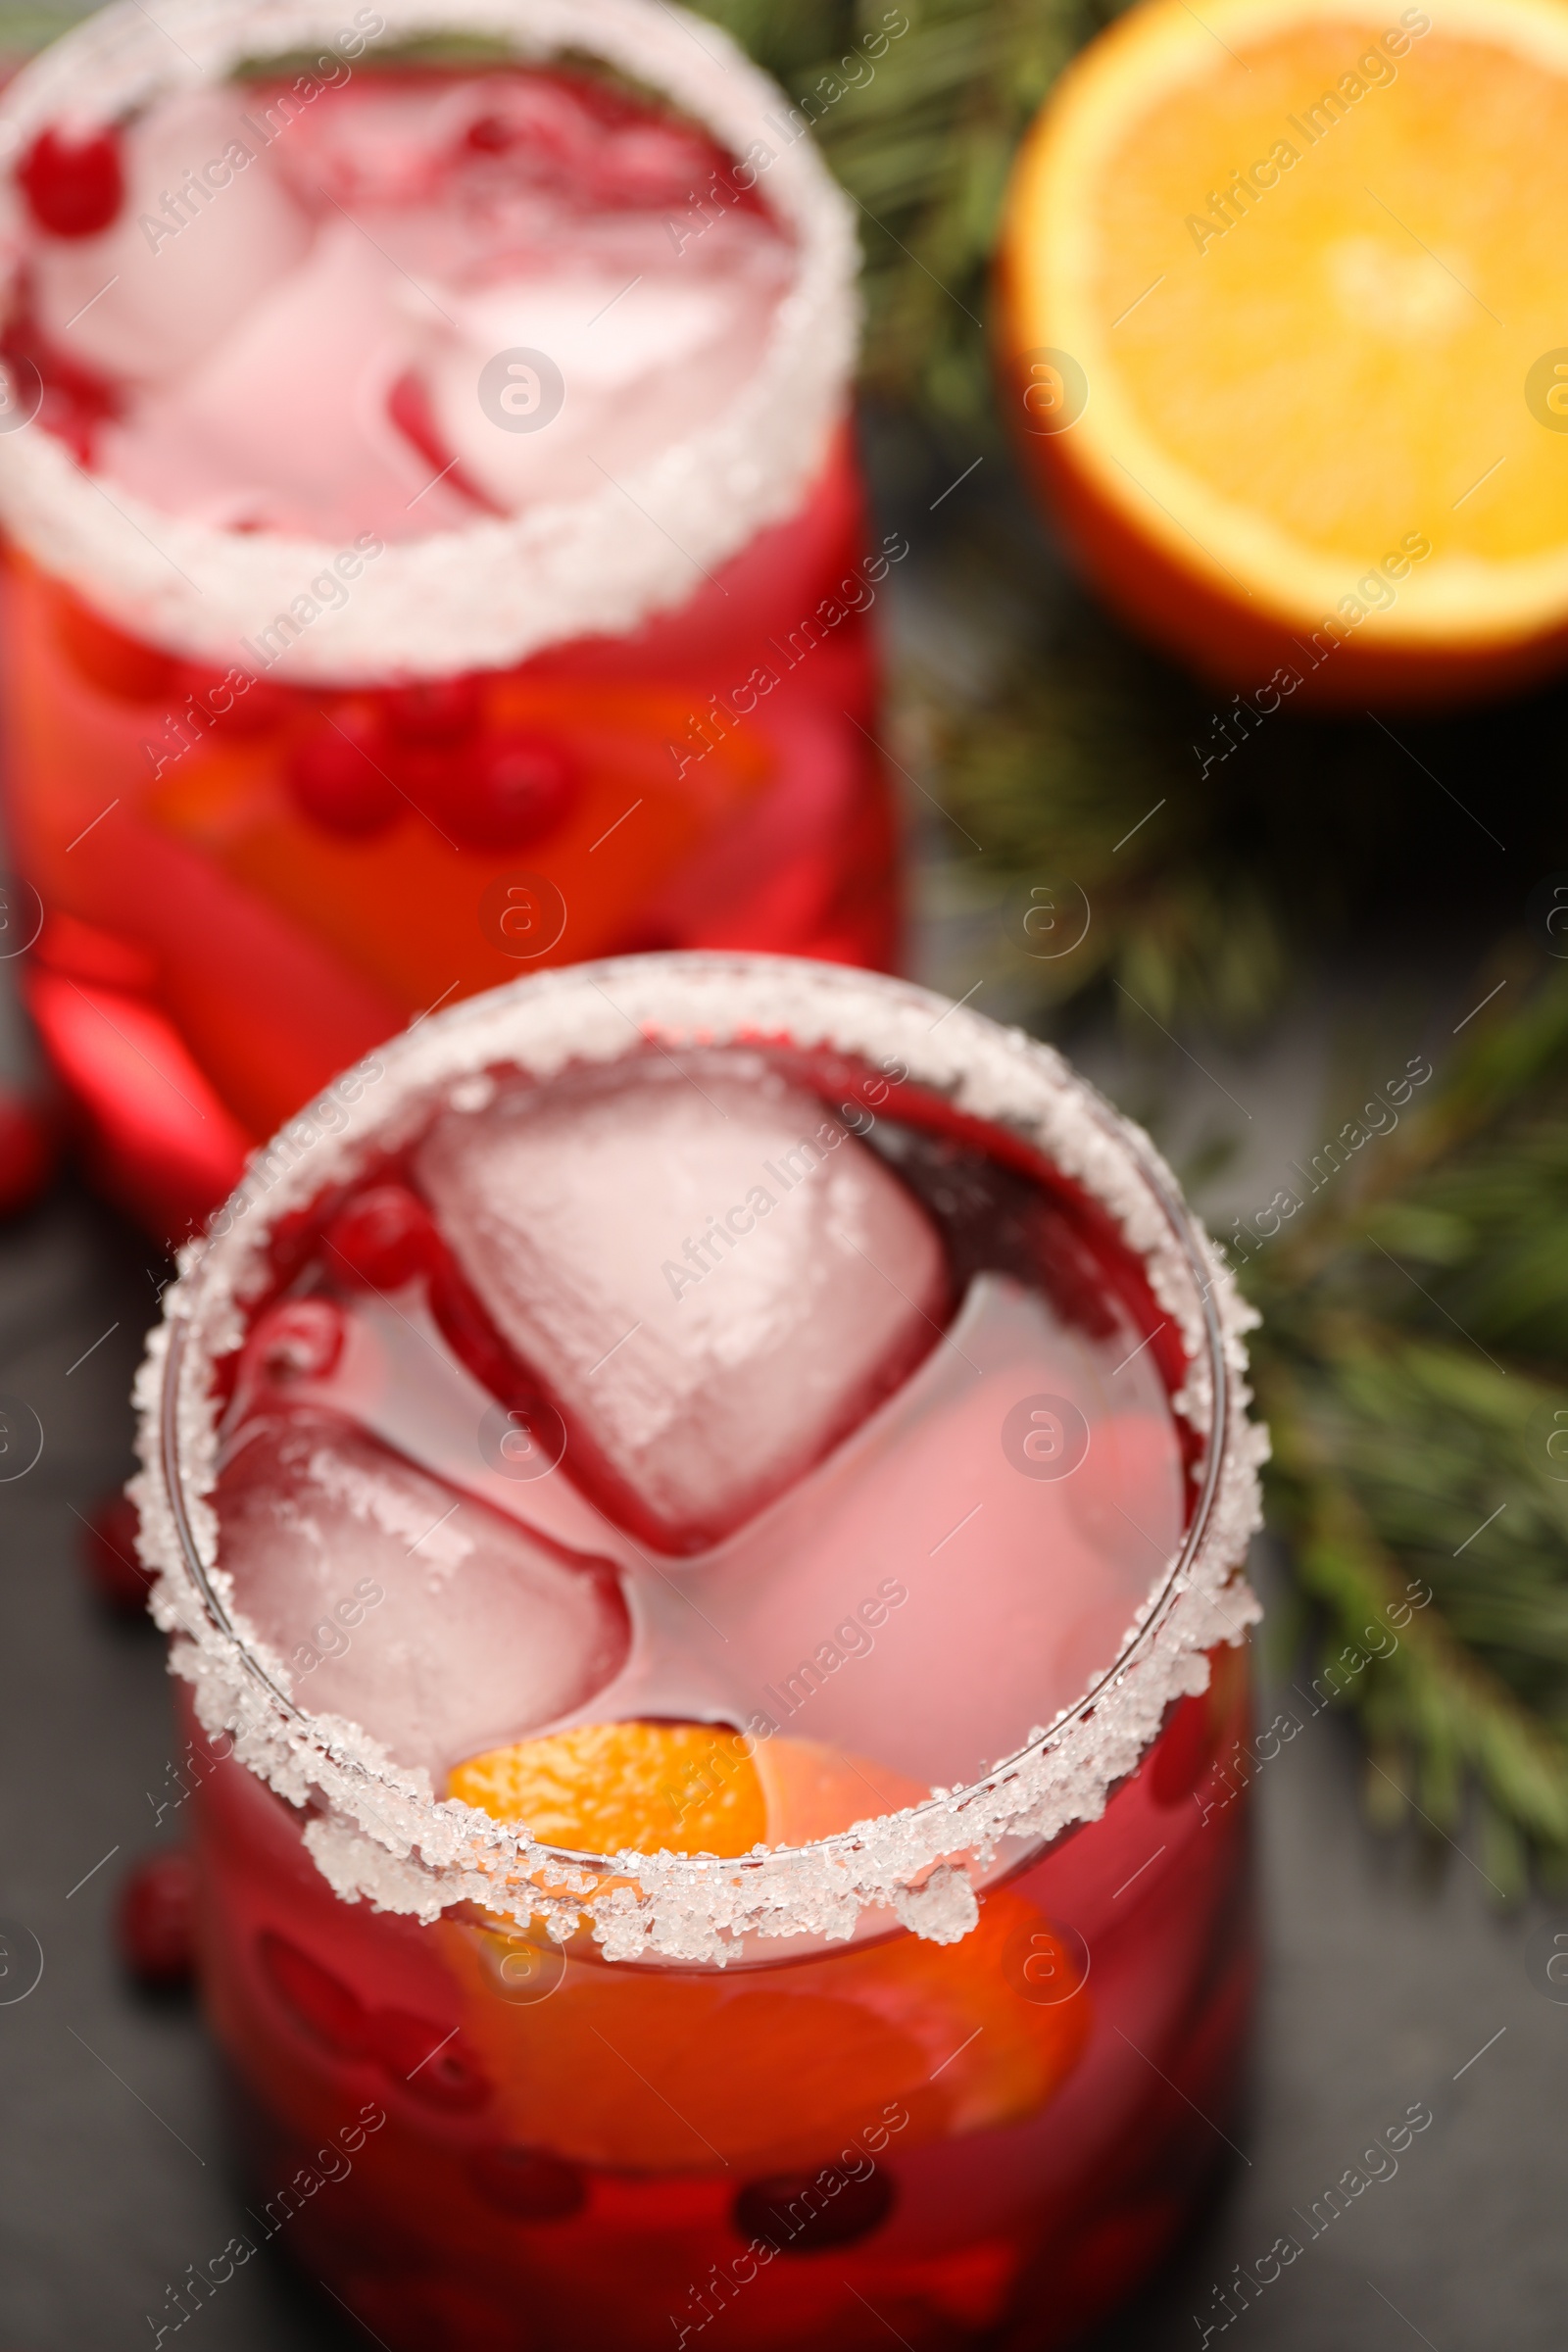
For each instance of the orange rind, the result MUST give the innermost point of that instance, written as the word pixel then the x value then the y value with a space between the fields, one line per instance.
pixel 1280 302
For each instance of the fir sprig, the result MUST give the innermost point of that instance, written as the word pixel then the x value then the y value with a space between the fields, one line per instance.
pixel 920 125
pixel 1071 773
pixel 1413 1362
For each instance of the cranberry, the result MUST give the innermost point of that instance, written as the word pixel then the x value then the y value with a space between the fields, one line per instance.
pixel 512 789
pixel 529 2183
pixel 73 190
pixel 382 1237
pixel 319 2003
pixel 425 2062
pixel 490 135
pixel 434 709
pixel 27 1151
pixel 109 1554
pixel 337 776
pixel 155 1919
pixel 805 2216
pixel 301 1340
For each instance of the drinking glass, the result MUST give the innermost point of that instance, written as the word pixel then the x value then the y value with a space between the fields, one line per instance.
pixel 955 2048
pixel 398 598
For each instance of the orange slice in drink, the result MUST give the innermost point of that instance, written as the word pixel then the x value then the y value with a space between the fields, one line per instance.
pixel 1282 320
pixel 603 1788
pixel 876 2048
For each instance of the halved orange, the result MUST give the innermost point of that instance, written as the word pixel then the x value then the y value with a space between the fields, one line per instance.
pixel 1281 307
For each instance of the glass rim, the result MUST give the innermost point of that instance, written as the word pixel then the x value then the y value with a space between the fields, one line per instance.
pixel 490 595
pixel 931 1896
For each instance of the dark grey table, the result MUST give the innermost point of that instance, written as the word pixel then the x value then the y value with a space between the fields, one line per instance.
pixel 1386 1983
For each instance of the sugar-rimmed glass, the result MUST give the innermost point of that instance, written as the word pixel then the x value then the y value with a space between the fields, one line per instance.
pixel 975 1908
pixel 668 679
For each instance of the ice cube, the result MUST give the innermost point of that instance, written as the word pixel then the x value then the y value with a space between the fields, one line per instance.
pixel 936 1589
pixel 396 1377
pixel 185 259
pixel 649 346
pixel 376 146
pixel 284 424
pixel 712 1277
pixel 413 1610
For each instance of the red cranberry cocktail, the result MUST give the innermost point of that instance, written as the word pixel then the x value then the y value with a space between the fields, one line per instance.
pixel 435 545
pixel 702 1512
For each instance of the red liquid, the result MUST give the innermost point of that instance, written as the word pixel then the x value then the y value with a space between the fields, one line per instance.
pixel 990 2140
pixel 1039 2227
